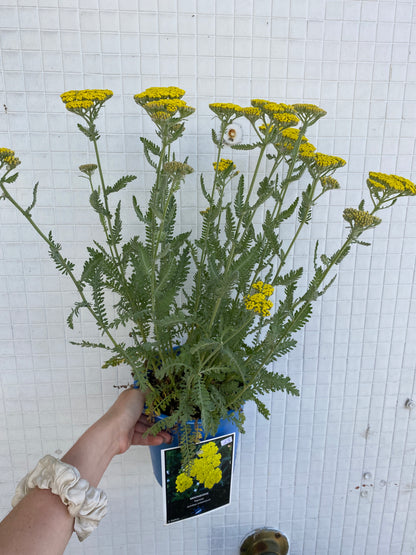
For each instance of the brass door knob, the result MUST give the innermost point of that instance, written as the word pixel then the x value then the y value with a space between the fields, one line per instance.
pixel 265 541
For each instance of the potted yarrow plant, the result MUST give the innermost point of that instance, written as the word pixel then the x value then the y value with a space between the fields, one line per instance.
pixel 205 317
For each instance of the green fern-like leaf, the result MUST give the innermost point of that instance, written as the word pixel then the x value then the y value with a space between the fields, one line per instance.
pixel 138 211
pixel 97 204
pixel 34 198
pixel 116 236
pixel 89 345
pixel 150 146
pixel 245 146
pixel 147 151
pixel 120 184
pixel 239 198
pixel 90 132
pixel 75 312
pixel 99 307
pixel 230 226
pixel 286 214
pixel 305 209
pixel 291 277
pixel 63 265
pixel 204 190
pixel 214 138
pixel 12 178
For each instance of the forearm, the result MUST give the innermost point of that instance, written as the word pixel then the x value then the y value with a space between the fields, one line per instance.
pixel 94 450
pixel 40 523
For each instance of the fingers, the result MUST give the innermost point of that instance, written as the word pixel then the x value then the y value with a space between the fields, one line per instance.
pixel 142 426
pixel 138 439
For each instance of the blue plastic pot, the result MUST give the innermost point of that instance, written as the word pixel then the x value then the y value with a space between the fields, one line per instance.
pixel 226 427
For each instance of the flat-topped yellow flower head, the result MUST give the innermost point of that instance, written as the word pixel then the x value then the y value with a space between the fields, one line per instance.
pixel 307 152
pixel 285 119
pixel 288 138
pixel 166 108
pixel 8 159
pixel 86 102
pixel 391 183
pixel 280 115
pixel 252 113
pixel 224 165
pixel 328 162
pixel 158 93
pixel 309 113
pixel 259 102
pixel 164 105
pixel 226 110
pixel 320 164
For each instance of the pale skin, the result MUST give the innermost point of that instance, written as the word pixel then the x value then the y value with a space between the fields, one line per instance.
pixel 40 524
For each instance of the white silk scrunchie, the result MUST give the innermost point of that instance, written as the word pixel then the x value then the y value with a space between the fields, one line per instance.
pixel 88 505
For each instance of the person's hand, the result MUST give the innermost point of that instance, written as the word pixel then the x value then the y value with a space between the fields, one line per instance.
pixel 127 413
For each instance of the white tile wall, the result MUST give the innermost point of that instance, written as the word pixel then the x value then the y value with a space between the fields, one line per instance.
pixel 302 471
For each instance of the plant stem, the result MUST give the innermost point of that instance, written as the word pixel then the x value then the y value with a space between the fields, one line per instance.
pixel 203 254
pixel 156 242
pixel 112 246
pixel 287 179
pixel 239 224
pixel 296 235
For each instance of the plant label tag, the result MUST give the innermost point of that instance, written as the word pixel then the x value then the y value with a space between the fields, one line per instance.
pixel 205 486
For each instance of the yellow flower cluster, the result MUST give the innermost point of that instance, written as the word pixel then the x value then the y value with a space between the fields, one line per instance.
pixel 289 137
pixel 258 302
pixel 360 218
pixel 252 113
pixel 307 152
pixel 283 115
pixel 183 482
pixel 274 108
pixel 223 165
pixel 205 469
pixel 81 101
pixel 226 110
pixel 158 93
pixel 164 103
pixel 286 119
pixel 329 183
pixel 8 158
pixel 264 288
pixel 259 102
pixel 309 113
pixel 391 181
pixel 328 162
pixel 168 105
pixel 292 135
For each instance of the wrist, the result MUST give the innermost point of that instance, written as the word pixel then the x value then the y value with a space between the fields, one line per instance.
pixel 112 429
pixel 94 450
